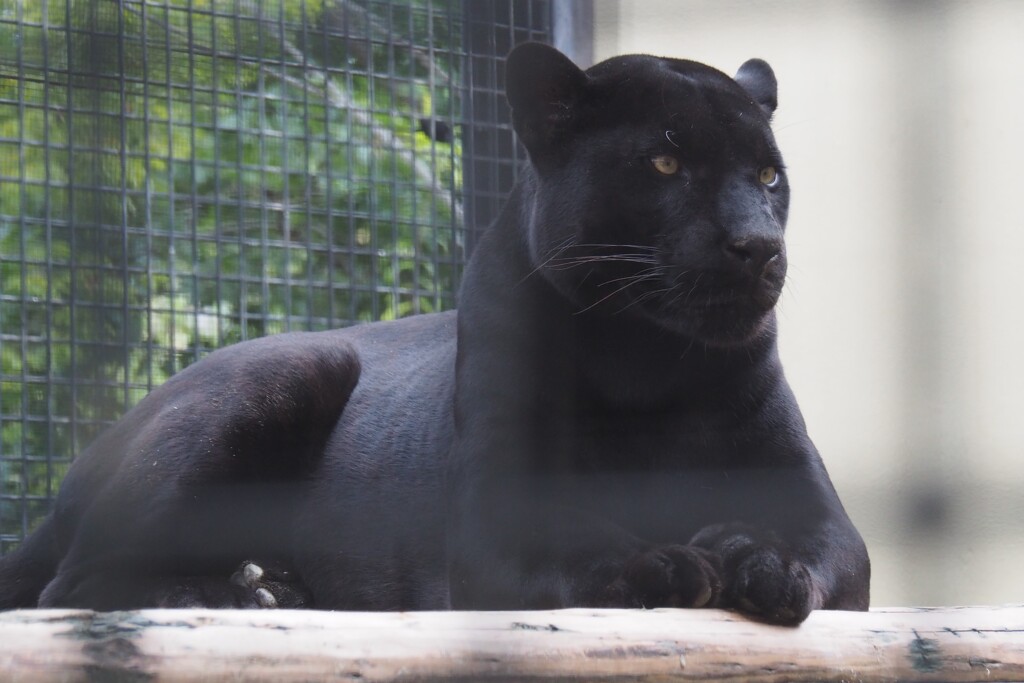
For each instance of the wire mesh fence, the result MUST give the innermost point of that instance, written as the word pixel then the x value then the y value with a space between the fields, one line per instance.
pixel 178 175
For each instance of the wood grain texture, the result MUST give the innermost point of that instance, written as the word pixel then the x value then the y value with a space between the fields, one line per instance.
pixel 948 644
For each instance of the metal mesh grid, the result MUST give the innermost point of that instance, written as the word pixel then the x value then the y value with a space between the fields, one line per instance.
pixel 178 175
pixel 492 153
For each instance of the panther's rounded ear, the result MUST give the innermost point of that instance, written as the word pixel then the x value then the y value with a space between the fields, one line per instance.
pixel 758 79
pixel 542 86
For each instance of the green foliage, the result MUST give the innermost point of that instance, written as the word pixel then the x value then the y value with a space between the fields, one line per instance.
pixel 180 175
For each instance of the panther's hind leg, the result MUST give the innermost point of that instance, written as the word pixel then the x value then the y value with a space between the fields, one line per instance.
pixel 202 474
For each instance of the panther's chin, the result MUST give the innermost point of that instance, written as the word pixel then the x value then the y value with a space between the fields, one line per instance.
pixel 726 323
pixel 730 330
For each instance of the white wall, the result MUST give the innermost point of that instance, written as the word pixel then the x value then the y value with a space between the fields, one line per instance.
pixel 902 327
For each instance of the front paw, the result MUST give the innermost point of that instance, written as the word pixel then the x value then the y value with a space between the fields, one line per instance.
pixel 760 579
pixel 667 576
pixel 771 587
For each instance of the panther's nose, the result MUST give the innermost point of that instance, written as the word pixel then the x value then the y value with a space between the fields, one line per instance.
pixel 753 254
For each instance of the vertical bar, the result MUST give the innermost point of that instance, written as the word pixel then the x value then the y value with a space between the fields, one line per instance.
pixel 72 211
pixel 349 163
pixel 162 344
pixel 193 189
pixel 433 227
pixel 48 219
pixel 23 278
pixel 148 163
pixel 218 230
pixel 285 222
pixel 307 189
pixel 371 79
pixel 394 82
pixel 414 109
pixel 262 139
pixel 456 234
pixel 332 311
pixel 243 251
pixel 172 218
pixel 123 190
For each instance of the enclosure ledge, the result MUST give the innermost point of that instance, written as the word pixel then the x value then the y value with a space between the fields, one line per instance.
pixel 893 644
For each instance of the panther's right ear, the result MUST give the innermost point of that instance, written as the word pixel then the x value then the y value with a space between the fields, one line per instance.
pixel 543 87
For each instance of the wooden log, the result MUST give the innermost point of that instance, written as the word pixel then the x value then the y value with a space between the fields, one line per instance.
pixel 948 644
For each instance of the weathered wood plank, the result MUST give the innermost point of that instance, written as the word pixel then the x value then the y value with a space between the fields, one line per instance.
pixel 949 644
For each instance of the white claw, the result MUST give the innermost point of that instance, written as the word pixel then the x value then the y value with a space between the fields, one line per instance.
pixel 265 598
pixel 252 573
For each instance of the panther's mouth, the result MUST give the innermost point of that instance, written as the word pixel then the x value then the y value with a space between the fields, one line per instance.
pixel 718 310
pixel 762 297
pixel 716 306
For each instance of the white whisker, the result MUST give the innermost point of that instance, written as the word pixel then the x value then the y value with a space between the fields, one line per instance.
pixel 642 274
pixel 632 282
pixel 555 251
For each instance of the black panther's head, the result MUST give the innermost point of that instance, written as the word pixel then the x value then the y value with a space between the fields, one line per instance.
pixel 659 190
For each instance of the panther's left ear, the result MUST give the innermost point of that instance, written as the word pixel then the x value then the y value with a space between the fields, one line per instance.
pixel 543 87
pixel 758 79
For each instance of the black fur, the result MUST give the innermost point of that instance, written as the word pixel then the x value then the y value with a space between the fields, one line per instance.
pixel 604 423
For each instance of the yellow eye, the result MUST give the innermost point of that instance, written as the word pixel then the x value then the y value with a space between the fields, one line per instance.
pixel 666 164
pixel 768 176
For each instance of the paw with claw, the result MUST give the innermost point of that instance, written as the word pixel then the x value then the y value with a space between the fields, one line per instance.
pixel 760 577
pixel 270 586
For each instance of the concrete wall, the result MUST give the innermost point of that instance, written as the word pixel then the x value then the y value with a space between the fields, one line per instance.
pixel 902 125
